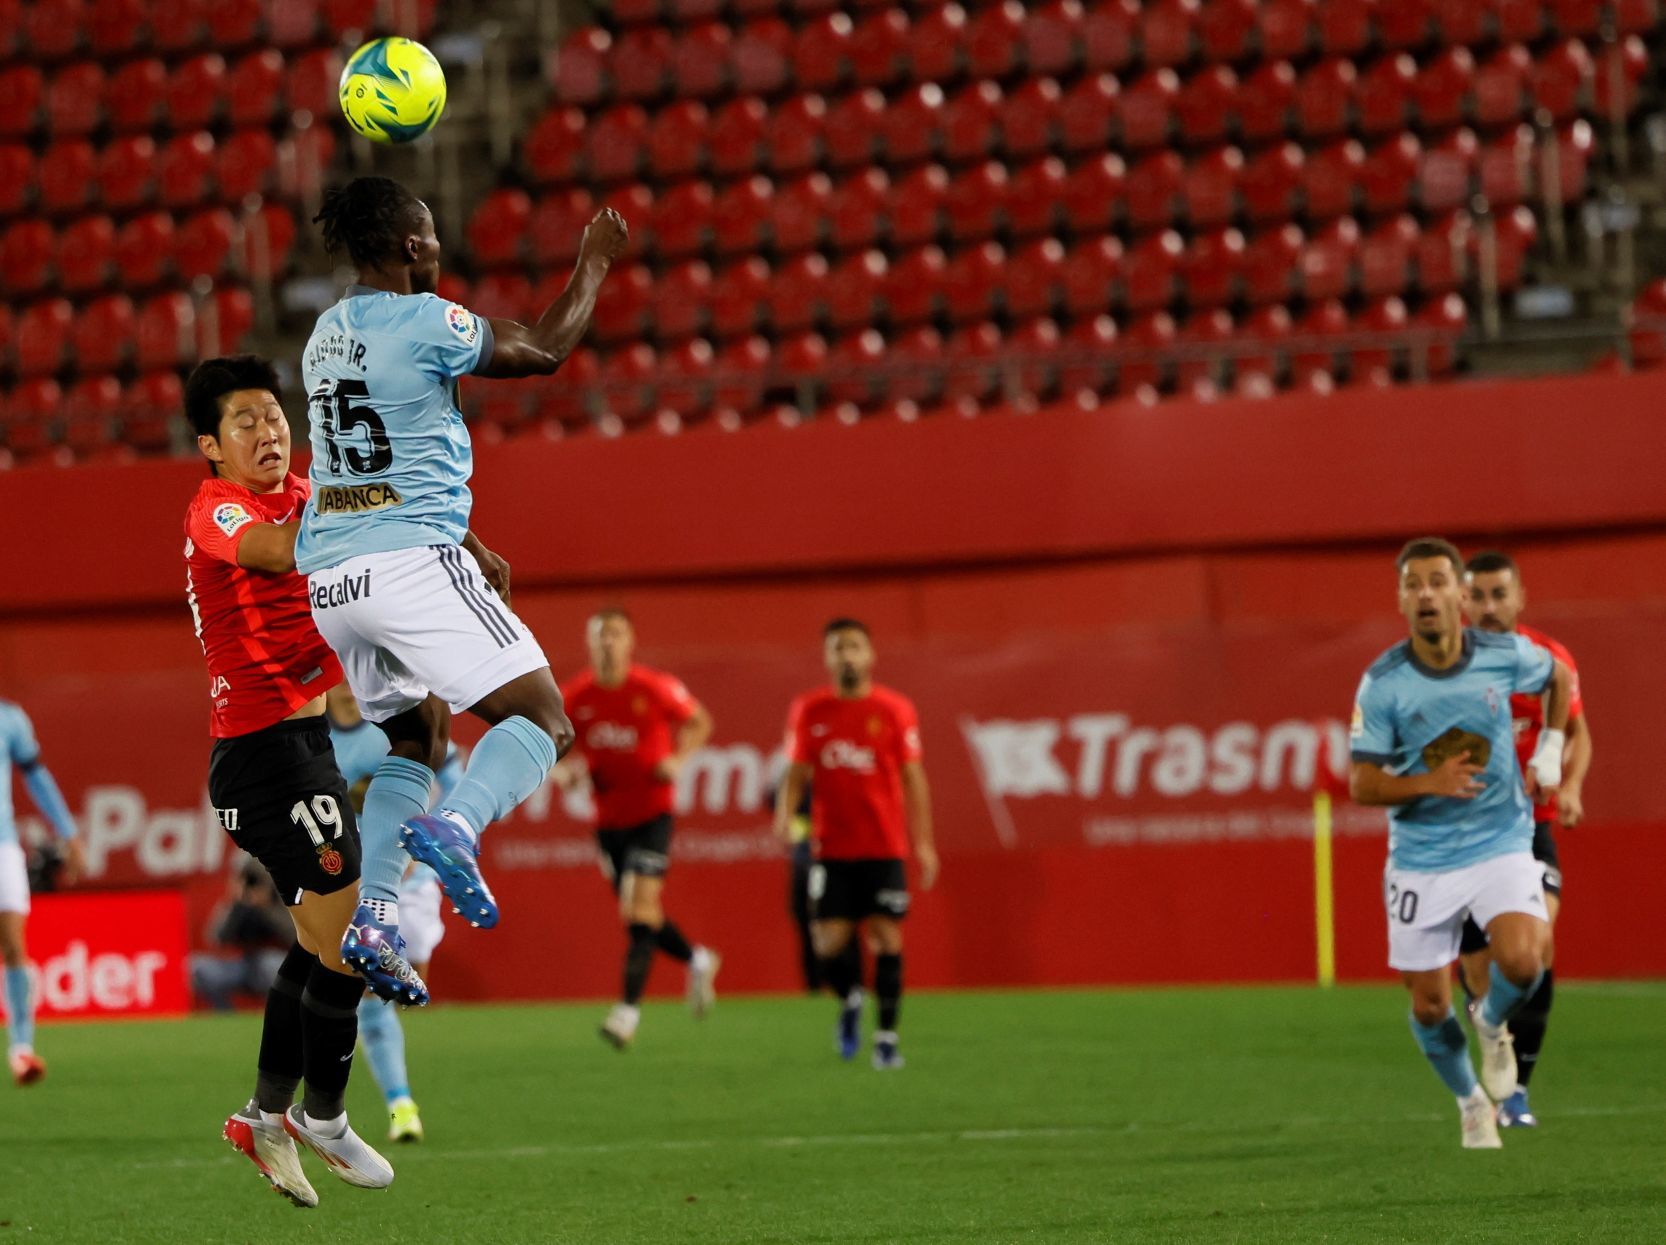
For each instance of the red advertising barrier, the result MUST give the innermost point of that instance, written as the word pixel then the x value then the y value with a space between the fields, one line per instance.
pixel 109 954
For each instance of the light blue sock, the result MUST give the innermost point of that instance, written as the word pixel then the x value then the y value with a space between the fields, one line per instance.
pixel 1448 1051
pixel 1504 997
pixel 398 791
pixel 20 1008
pixel 384 1039
pixel 507 765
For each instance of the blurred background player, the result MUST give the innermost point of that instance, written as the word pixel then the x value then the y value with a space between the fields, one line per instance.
pixel 419 627
pixel 272 775
pixel 858 744
pixel 1433 740
pixel 802 861
pixel 360 748
pixel 1496 597
pixel 635 728
pixel 18 749
pixel 251 934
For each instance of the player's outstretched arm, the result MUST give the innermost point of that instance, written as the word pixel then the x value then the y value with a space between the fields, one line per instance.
pixel 268 547
pixel 1570 796
pixel 539 349
pixel 916 794
pixel 1456 778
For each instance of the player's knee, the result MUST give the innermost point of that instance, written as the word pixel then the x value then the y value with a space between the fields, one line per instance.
pixel 1428 1010
pixel 1520 964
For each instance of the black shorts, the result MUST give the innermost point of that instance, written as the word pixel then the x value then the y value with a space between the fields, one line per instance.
pixel 1544 851
pixel 281 798
pixel 644 850
pixel 850 890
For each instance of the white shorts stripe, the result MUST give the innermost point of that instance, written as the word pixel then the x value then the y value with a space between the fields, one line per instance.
pixel 495 627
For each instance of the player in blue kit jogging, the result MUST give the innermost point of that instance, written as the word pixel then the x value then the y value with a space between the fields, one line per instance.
pixel 415 608
pixel 1433 740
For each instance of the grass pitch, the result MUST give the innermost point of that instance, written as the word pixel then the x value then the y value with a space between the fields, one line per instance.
pixel 1277 1115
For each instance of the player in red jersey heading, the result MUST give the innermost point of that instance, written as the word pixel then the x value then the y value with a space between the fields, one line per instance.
pixel 1494 603
pixel 635 727
pixel 857 745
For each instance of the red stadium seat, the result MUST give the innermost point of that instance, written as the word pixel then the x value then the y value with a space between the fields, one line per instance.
pixel 800 212
pixel 1442 253
pixel 1383 92
pixel 1146 109
pixel 970 119
pixel 268 236
pixel 1108 35
pixel 994 39
pixel 1516 231
pixel 21 90
pixel 304 157
pixel 1032 350
pixel 635 12
pixel 820 52
pixel 1271 261
pixel 1447 168
pixel 640 63
pixel 626 377
pixel 1507 166
pixel 795 295
pixel 579 66
pixel 977 199
pixel 1286 27
pixel 293 23
pixel 1035 278
pixel 1501 85
pixel 509 296
pixel 792 137
pixel 177 25
pixel 1205 105
pixel 1093 275
pixel 1086 349
pixel 1324 98
pixel 224 321
pixel 1385 256
pixel 135 95
pixel 1210 331
pixel 1330 178
pixel 909 126
pixel 852 362
pixel 53 28
pixel 126 172
pixel 26 249
pixel 1151 270
pixel 1374 365
pixel 115 27
pixel 151 403
pixel 854 288
pixel 1444 318
pixel 1390 172
pixel 86 254
pixel 554 148
pixel 1270 181
pixel 1168 29
pixel 73 100
pixel 185 169
pixel 66 176
pixel 1094 191
pixel 1148 352
pixel 243 166
pixel 737 136
pixel 1269 328
pixel 1620 68
pixel 761 56
pixel 918 205
pixel 1405 23
pixel 90 409
pixel 700 61
pixel 1086 111
pixel 740 216
pixel 973 375
pixel 737 296
pixel 914 284
pixel 916 354
pixel 1561 78
pixel 143 247
pixel 739 373
pixel 498 227
pixel 677 139
pixel 254 87
pixel 1266 101
pixel 29 416
pixel 681 295
pixel 685 379
pixel 1575 145
pixel 615 142
pixel 233 23
pixel 1327 263
pixel 1225 29
pixel 17 178
pixel 195 91
pixel 1153 191
pixel 937 45
pixel 1443 87
pixel 1209 188
pixel 1035 193
pixel 1322 322
pixel 1027 120
pixel 313 82
pixel 858 208
pixel 1212 267
pixel 1577 17
pixel 878 47
pixel 851 135
pixel 681 219
pixel 1052 36
pixel 1464 23
pixel 557 225
pixel 43 334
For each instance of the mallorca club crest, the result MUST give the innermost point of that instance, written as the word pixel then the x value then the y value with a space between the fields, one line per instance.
pixel 329 860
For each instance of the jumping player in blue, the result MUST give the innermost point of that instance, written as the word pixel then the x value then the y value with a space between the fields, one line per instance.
pixel 1433 740
pixel 413 605
pixel 18 747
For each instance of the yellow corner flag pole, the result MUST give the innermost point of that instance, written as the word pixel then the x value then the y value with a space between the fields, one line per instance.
pixel 1324 913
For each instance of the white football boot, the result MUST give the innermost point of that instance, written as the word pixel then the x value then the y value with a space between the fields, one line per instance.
pixel 272 1150
pixel 348 1155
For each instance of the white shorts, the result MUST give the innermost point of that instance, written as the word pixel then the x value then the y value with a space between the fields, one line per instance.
pixel 1426 910
pixel 14 878
pixel 419 916
pixel 419 621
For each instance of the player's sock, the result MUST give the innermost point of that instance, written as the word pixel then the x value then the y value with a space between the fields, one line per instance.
pixel 20 1009
pixel 639 958
pixel 841 974
pixel 887 988
pixel 329 1029
pixel 1527 1026
pixel 509 763
pixel 1448 1051
pixel 384 1042
pixel 280 1065
pixel 670 940
pixel 398 791
pixel 1504 996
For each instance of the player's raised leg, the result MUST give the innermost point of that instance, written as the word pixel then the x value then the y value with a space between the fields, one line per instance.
pixel 1441 1038
pixel 1517 941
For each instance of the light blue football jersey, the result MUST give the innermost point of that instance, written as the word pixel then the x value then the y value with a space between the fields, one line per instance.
pixel 1409 719
pixel 17 747
pixel 391 457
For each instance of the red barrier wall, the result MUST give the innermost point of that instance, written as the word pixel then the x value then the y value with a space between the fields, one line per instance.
pixel 1119 741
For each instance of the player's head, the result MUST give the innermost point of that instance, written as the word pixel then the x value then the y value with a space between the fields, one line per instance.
pixel 612 640
pixel 848 651
pixel 233 406
pixel 1495 592
pixel 1431 587
pixel 383 228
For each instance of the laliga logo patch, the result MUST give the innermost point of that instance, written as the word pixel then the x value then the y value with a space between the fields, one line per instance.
pixel 229 516
pixel 462 323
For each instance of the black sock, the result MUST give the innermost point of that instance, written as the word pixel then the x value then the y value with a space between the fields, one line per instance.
pixel 329 1028
pixel 671 941
pixel 639 957
pixel 887 984
pixel 1527 1026
pixel 840 973
pixel 279 1067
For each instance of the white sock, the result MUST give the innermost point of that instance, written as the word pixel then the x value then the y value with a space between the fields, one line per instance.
pixel 19 1048
pixel 384 910
pixel 462 823
pixel 855 997
pixel 327 1128
pixel 701 961
pixel 272 1119
pixel 627 1012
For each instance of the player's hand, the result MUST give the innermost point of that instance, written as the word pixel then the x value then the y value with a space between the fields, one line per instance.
pixel 929 866
pixel 494 568
pixel 75 862
pixel 605 238
pixel 1456 778
pixel 669 769
pixel 1570 807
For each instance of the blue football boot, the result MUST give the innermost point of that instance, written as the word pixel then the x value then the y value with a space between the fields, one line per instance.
pixel 1514 1112
pixel 446 845
pixel 847 1034
pixel 376 952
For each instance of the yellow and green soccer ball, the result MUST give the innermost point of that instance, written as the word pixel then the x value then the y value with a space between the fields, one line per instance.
pixel 392 90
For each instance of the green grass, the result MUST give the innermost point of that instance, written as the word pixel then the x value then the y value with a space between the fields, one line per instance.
pixel 1276 1115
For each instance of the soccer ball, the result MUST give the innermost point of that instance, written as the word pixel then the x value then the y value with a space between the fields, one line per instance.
pixel 392 90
